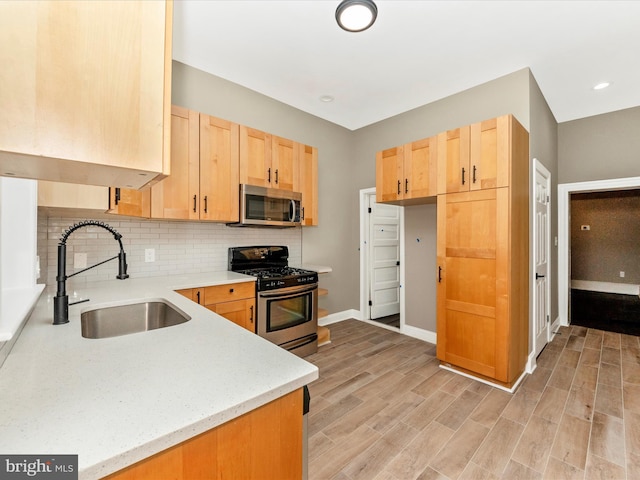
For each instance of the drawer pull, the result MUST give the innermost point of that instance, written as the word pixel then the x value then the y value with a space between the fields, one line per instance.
pixel 231 290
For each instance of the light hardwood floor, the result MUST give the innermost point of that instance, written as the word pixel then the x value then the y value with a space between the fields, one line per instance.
pixel 383 409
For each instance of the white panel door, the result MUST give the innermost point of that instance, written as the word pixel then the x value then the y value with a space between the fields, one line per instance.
pixel 541 240
pixel 384 257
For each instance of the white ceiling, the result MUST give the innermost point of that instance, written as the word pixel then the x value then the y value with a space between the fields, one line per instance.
pixel 416 52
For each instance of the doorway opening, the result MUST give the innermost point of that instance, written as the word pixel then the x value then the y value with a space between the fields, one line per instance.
pixel 564 233
pixel 381 232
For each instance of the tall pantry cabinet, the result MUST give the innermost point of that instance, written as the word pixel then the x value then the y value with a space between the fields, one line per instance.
pixel 483 249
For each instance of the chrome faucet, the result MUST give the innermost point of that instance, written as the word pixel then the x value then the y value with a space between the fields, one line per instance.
pixel 61 300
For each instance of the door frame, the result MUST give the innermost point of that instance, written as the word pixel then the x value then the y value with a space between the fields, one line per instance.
pixel 365 276
pixel 564 229
pixel 538 166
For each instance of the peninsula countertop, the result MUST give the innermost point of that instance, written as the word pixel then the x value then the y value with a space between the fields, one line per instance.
pixel 115 401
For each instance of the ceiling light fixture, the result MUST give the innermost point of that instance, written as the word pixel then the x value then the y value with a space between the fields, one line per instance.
pixel 326 98
pixel 602 85
pixel 356 15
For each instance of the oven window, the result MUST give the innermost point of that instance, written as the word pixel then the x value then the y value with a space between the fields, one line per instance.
pixel 288 312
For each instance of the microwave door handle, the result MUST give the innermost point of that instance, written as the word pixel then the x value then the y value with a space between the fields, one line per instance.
pixel 292 210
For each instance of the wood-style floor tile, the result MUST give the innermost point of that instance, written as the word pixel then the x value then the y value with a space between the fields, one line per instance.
pixel 383 409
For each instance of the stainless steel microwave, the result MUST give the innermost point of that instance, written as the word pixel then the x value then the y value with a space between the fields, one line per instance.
pixel 268 207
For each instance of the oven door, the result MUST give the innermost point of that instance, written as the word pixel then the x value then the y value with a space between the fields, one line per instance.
pixel 288 314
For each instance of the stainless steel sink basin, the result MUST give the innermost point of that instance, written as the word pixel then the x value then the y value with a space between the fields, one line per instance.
pixel 133 318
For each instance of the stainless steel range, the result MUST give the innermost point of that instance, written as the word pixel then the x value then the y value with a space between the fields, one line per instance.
pixel 286 297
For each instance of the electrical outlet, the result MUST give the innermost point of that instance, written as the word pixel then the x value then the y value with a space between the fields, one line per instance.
pixel 621 274
pixel 149 255
pixel 79 260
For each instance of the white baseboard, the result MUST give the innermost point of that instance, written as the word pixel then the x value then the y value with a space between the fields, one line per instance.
pixel 487 382
pixel 606 287
pixel 339 317
pixel 419 333
pixel 531 363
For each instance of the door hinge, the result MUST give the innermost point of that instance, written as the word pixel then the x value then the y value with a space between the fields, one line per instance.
pixel 369 209
pixel 370 303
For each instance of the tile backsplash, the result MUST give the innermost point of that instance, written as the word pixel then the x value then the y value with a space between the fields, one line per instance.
pixel 180 247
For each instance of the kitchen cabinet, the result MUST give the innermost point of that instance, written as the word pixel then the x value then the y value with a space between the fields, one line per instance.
pixel 129 202
pixel 308 159
pixel 72 195
pixel 87 88
pixel 406 175
pixel 469 158
pixel 263 443
pixel 268 161
pixel 235 302
pixel 193 294
pixel 204 181
pixel 482 261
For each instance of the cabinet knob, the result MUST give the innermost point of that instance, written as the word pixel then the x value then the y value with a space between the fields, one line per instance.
pixel 231 290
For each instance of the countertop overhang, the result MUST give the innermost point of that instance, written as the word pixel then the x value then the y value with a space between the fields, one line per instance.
pixel 115 401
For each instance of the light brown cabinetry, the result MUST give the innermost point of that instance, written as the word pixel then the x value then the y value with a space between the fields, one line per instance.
pixel 204 164
pixel 406 175
pixel 128 202
pixel 483 255
pixel 308 159
pixel 255 157
pixel 87 87
pixel 284 164
pixel 264 443
pixel 473 157
pixel 72 195
pixel 233 301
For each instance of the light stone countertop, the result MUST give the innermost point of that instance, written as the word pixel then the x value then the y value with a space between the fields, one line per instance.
pixel 115 401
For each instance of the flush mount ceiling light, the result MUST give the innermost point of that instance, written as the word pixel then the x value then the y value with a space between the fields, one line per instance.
pixel 356 15
pixel 602 85
pixel 326 98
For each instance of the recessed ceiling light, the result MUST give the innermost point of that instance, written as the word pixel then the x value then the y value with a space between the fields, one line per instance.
pixel 326 98
pixel 602 85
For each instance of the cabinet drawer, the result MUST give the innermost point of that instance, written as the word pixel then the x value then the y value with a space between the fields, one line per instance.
pixel 228 292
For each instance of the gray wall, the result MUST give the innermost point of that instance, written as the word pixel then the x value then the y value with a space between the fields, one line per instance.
pixel 543 145
pixel 508 94
pixel 611 245
pixel 600 147
pixel 327 244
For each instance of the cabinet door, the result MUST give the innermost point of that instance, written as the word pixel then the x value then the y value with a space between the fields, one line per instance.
pixel 490 153
pixel 255 157
pixel 284 164
pixel 219 170
pixel 72 195
pixel 193 294
pixel 420 161
pixel 472 292
pixel 128 202
pixel 177 196
pixel 87 86
pixel 453 160
pixel 308 159
pixel 240 312
pixel 389 172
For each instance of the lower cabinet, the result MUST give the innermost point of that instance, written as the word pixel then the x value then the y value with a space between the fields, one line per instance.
pixel 233 301
pixel 264 443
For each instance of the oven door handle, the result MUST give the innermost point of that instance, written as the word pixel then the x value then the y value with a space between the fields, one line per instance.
pixel 283 293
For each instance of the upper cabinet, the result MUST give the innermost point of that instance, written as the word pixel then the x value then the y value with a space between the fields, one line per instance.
pixel 204 170
pixel 472 157
pixel 255 157
pixel 308 158
pixel 406 174
pixel 86 91
pixel 284 164
pixel 129 202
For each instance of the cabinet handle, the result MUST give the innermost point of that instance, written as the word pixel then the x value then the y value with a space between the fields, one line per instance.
pixel 474 174
pixel 463 175
pixel 205 204
pixel 117 195
pixel 398 187
pixel 251 313
pixel 231 290
pixel 195 204
pixel 276 176
pixel 539 276
pixel 406 185
pixel 439 274
pixel 269 175
pixel 198 296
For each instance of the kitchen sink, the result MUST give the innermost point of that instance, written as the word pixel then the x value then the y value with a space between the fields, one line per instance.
pixel 132 318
